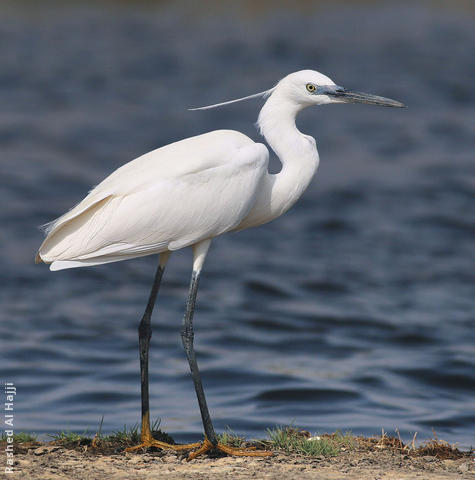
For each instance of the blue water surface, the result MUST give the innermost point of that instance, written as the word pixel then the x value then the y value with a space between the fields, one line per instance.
pixel 354 311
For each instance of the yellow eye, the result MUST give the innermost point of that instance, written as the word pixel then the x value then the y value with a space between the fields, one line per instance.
pixel 311 87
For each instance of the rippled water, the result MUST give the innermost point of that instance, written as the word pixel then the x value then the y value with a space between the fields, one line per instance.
pixel 353 311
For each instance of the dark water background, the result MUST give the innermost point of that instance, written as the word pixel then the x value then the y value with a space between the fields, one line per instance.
pixel 353 311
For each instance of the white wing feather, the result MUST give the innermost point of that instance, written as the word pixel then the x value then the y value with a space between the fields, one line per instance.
pixel 167 199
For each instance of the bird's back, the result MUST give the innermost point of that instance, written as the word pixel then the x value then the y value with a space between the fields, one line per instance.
pixel 175 160
pixel 167 199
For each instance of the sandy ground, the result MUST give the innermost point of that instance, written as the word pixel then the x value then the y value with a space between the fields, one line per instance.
pixel 52 462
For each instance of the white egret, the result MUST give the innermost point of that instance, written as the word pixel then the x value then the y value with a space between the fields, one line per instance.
pixel 187 193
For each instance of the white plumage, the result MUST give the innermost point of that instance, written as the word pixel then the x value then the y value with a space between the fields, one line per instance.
pixel 200 187
pixel 187 193
pixel 167 199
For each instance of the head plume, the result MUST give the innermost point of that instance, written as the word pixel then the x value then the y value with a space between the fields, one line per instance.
pixel 263 94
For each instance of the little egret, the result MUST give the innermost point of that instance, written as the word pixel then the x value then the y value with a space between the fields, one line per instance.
pixel 187 193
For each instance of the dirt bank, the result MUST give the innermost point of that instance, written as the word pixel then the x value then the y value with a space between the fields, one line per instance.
pixel 49 461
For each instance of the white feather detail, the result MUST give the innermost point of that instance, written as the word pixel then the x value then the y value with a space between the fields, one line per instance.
pixel 173 197
pixel 263 94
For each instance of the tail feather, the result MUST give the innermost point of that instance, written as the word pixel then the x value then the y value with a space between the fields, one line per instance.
pixel 100 260
pixel 60 232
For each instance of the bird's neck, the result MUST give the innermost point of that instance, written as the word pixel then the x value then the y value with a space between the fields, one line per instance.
pixel 297 153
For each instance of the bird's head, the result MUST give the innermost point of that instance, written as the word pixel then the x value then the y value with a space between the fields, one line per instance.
pixel 309 87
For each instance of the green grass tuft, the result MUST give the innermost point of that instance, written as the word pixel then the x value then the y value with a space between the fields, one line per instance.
pixel 231 439
pixel 20 437
pixel 120 439
pixel 126 436
pixel 66 436
pixel 287 439
pixel 292 440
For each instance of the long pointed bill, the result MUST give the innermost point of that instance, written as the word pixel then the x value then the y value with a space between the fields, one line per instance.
pixel 346 96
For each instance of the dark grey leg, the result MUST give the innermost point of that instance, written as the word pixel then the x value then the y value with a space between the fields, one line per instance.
pixel 187 335
pixel 145 333
pixel 200 251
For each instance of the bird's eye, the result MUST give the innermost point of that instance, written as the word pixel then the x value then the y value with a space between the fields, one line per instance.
pixel 311 87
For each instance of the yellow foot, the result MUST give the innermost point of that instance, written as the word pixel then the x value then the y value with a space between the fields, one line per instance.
pixel 241 452
pixel 151 442
pixel 95 441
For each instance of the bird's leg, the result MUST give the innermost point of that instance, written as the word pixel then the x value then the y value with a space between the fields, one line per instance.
pixel 187 335
pixel 145 333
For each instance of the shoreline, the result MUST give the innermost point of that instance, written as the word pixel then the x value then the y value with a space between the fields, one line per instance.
pixel 355 458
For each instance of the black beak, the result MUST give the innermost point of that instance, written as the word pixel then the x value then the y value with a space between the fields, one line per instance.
pixel 345 96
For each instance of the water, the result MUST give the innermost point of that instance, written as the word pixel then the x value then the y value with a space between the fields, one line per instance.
pixel 353 311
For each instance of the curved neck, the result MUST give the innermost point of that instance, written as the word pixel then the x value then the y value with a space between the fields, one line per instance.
pixel 296 151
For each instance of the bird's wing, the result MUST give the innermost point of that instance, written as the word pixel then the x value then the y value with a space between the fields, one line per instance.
pixel 171 198
pixel 171 161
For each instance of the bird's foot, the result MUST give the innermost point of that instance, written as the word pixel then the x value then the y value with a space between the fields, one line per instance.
pixel 95 441
pixel 148 442
pixel 240 452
